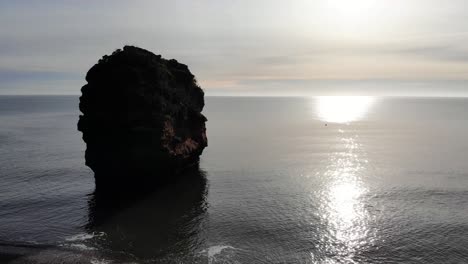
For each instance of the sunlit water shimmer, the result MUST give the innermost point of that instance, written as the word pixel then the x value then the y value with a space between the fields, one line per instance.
pixel 284 180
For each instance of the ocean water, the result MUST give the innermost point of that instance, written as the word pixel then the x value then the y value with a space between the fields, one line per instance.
pixel 283 180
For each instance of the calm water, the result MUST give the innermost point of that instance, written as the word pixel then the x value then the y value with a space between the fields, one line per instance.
pixel 283 180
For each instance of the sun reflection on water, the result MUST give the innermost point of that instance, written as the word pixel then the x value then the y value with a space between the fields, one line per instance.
pixel 342 109
pixel 344 193
pixel 343 211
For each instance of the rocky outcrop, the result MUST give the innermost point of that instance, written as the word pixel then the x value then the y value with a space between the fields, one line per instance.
pixel 142 120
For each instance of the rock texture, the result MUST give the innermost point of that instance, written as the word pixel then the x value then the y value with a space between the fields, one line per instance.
pixel 142 120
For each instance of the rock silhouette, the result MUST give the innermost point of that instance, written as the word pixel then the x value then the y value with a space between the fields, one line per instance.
pixel 142 120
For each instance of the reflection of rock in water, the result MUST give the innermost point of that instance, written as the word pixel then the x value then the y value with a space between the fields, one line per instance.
pixel 150 226
pixel 32 253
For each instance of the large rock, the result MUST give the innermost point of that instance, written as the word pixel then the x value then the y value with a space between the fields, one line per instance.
pixel 142 120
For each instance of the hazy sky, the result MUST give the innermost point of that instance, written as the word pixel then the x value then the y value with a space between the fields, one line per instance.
pixel 249 47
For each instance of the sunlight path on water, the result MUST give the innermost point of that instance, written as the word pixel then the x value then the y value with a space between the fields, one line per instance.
pixel 343 209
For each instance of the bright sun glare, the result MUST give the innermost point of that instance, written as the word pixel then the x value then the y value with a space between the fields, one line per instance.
pixel 353 16
pixel 355 9
pixel 342 109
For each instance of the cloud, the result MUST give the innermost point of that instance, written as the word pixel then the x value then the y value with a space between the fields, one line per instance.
pixel 437 52
pixel 372 87
pixel 13 76
pixel 231 46
pixel 39 82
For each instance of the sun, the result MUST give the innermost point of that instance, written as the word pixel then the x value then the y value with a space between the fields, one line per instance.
pixel 354 16
pixel 352 10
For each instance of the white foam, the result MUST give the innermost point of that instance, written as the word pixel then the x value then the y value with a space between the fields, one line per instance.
pixel 81 246
pixel 83 236
pixel 100 261
pixel 213 251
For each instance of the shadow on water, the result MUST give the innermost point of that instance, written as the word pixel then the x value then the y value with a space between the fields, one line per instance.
pixel 164 224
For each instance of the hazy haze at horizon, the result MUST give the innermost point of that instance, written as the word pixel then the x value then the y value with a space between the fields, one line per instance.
pixel 413 47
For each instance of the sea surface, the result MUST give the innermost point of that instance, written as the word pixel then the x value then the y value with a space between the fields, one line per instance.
pixel 283 180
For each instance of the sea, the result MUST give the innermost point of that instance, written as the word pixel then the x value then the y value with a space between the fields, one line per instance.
pixel 347 179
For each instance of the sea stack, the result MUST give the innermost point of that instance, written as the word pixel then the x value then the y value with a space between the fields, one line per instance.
pixel 142 120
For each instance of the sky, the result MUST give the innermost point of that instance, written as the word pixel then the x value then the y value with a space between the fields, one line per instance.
pixel 245 47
